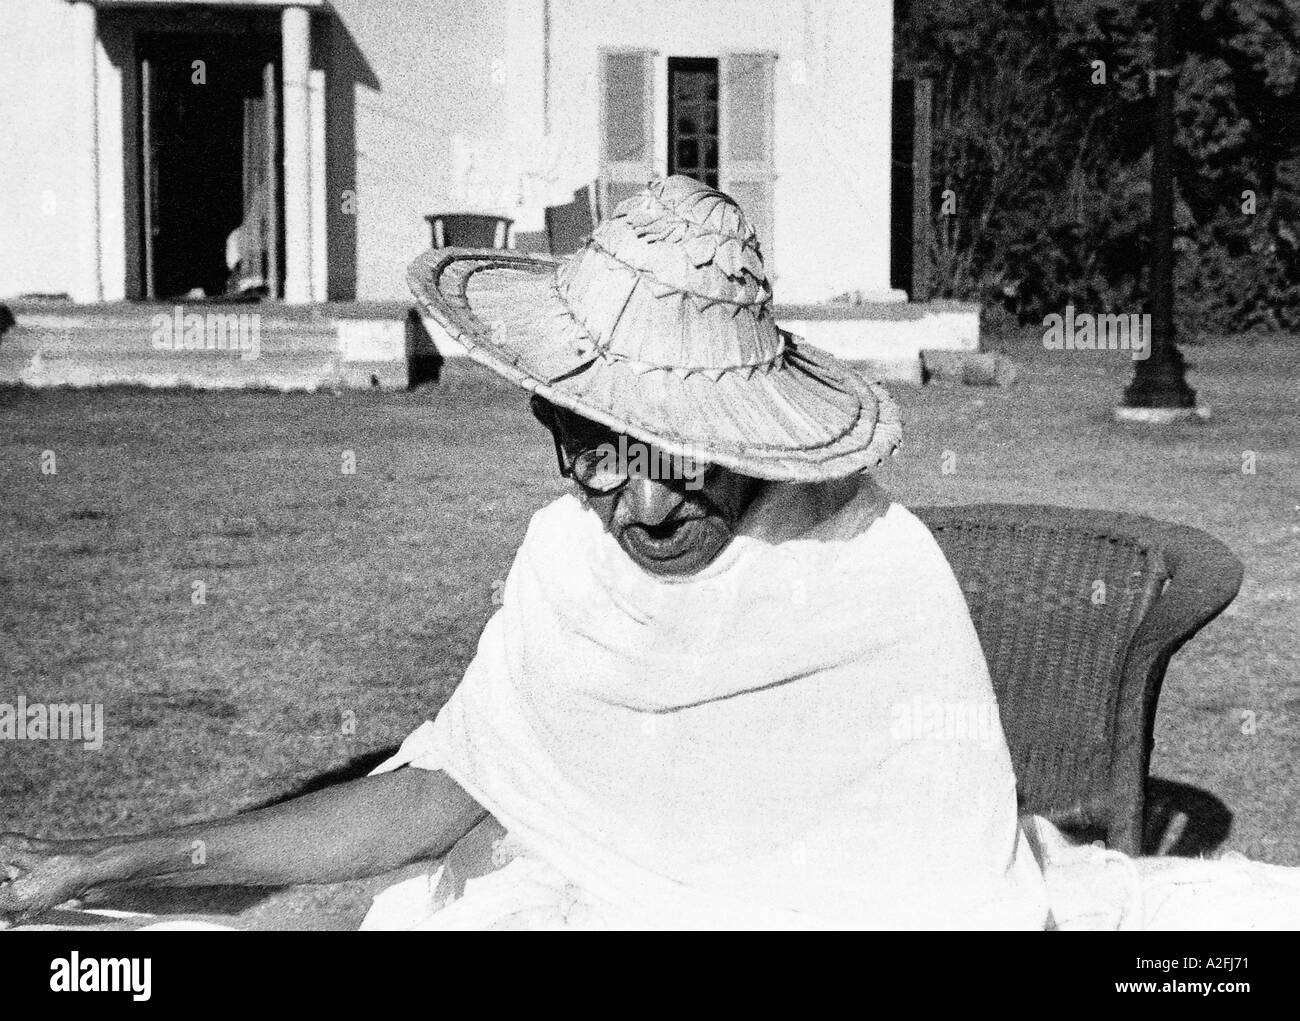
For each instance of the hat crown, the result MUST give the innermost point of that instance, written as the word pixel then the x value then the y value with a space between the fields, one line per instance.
pixel 661 327
pixel 674 279
pixel 698 236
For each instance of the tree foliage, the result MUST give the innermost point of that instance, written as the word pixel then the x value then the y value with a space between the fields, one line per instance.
pixel 1042 132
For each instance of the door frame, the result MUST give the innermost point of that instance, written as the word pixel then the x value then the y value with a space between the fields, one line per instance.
pixel 215 23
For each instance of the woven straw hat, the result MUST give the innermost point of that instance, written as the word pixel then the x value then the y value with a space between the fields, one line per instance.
pixel 661 328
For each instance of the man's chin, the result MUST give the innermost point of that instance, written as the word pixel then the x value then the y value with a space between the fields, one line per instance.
pixel 689 548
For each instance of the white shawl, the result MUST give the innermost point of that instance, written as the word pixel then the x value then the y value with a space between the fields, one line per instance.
pixel 804 734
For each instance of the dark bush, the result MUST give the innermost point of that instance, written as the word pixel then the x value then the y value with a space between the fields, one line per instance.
pixel 1047 154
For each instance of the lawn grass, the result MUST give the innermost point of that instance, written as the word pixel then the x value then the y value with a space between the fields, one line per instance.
pixel 332 596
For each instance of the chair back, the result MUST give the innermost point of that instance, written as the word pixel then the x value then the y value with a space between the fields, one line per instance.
pixel 469 230
pixel 568 226
pixel 1059 598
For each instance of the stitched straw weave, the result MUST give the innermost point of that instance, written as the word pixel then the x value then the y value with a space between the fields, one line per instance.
pixel 661 327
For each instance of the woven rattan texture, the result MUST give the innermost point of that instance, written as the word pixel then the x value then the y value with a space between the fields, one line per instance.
pixel 1078 613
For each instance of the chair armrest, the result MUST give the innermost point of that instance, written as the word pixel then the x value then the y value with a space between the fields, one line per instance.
pixel 1204 577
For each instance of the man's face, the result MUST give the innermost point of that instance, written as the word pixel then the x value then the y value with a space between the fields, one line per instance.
pixel 668 526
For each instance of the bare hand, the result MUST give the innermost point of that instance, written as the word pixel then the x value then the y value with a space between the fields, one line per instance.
pixel 36 875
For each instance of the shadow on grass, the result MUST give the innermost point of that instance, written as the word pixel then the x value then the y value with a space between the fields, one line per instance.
pixel 1204 820
pixel 353 769
pixel 178 900
pixel 1182 821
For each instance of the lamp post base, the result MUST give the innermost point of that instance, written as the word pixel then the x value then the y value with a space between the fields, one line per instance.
pixel 1161 416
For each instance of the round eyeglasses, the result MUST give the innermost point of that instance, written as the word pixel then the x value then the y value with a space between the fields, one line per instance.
pixel 606 468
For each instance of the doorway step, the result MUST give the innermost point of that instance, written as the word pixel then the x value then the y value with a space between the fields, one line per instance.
pixel 214 345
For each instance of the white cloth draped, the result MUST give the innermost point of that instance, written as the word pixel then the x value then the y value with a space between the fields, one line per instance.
pixel 803 735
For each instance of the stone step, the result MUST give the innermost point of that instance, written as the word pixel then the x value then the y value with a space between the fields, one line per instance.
pixel 138 345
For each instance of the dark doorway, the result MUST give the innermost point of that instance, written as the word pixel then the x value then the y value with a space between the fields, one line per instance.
pixel 693 118
pixel 209 154
pixel 910 221
pixel 901 187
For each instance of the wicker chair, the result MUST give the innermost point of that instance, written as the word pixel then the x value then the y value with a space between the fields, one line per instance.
pixel 1078 667
pixel 569 226
pixel 469 230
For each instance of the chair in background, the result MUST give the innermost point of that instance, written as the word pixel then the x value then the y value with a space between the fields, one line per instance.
pixel 1078 613
pixel 568 226
pixel 469 230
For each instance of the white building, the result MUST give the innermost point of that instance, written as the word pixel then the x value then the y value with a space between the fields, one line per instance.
pixel 137 133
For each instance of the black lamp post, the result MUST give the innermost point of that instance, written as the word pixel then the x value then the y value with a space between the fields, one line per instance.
pixel 1159 390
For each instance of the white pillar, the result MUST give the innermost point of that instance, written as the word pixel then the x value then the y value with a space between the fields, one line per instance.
pixel 115 52
pixel 319 214
pixel 523 78
pixel 878 114
pixel 86 275
pixel 295 60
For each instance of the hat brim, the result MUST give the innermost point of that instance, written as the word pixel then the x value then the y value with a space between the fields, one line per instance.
pixel 811 418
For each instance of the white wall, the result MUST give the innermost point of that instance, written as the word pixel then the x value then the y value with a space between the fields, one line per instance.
pixel 46 213
pixel 471 86
pixel 447 102
pixel 832 131
pixel 435 101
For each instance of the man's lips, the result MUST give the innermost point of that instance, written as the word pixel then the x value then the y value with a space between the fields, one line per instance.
pixel 667 541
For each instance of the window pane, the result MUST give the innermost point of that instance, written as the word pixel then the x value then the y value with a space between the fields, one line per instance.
pixel 693 118
pixel 746 90
pixel 625 75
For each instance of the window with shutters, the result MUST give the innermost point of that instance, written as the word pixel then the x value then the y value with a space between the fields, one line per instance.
pixel 626 124
pixel 693 118
pixel 720 128
pixel 746 171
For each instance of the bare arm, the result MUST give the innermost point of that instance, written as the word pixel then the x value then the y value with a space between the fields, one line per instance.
pixel 355 829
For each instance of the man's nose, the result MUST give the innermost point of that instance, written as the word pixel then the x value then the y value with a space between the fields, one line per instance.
pixel 649 502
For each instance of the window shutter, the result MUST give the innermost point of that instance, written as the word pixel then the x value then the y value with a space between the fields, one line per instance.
pixel 626 124
pixel 746 171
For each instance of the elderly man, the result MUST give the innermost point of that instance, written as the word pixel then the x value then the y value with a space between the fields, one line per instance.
pixel 685 713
